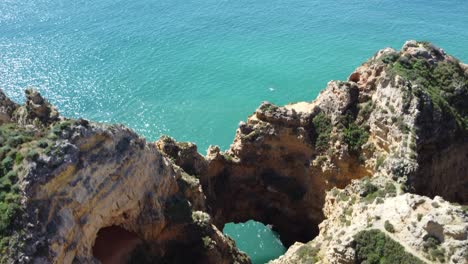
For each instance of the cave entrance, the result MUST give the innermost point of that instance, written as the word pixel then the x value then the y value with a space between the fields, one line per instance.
pixel 114 244
pixel 259 241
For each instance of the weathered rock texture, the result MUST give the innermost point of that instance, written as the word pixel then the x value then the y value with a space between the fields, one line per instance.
pixel 83 177
pixel 391 119
pixel 359 157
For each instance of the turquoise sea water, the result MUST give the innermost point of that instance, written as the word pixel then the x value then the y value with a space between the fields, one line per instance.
pixel 194 69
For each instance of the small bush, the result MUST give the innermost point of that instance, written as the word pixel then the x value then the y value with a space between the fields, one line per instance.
pixel 390 188
pixel 307 254
pixel 389 227
pixel 438 254
pixel 32 154
pixel 366 110
pixel 42 143
pixel 431 246
pixel 322 127
pixel 342 197
pixel 374 247
pixel 7 164
pixel 419 217
pixel 368 188
pixel 430 242
pixel 18 158
pixel 355 137
pixel 379 162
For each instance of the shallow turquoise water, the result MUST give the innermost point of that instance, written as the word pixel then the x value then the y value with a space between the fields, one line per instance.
pixel 256 239
pixel 194 69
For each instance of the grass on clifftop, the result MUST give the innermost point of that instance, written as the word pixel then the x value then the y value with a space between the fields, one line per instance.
pixel 11 138
pixel 18 145
pixel 444 82
pixel 374 247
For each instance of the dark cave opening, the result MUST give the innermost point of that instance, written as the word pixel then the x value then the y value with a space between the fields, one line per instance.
pixel 114 244
pixel 268 198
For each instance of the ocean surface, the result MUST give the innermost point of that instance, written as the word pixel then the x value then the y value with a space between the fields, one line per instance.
pixel 194 69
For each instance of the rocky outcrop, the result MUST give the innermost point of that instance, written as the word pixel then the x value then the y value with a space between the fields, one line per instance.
pixel 334 175
pixel 7 107
pixel 285 159
pixel 432 230
pixel 36 110
pixel 419 131
pixel 78 178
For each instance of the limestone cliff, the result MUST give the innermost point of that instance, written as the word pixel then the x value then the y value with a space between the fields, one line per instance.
pixel 75 178
pixel 400 118
pixel 373 166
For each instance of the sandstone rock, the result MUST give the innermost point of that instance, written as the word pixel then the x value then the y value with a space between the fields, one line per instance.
pixel 36 110
pixel 7 107
pixel 319 172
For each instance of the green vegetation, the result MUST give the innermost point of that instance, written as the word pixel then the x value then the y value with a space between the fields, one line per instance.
pixel 268 108
pixel 379 162
pixel 389 227
pixel 355 137
pixel 445 83
pixel 366 110
pixel 374 247
pixel 389 58
pixel 11 139
pixel 371 192
pixel 308 254
pixel 342 196
pixel 419 216
pixel 432 247
pixel 323 128
pixel 17 144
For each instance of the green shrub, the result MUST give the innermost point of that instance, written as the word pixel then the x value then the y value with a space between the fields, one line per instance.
pixel 32 154
pixel 7 164
pixel 42 143
pixel 374 247
pixel 430 242
pixel 438 254
pixel 366 110
pixel 439 81
pixel 342 197
pixel 19 158
pixel 307 254
pixel 379 162
pixel 389 227
pixel 419 216
pixel 390 188
pixel 322 127
pixel 355 137
pixel 12 138
pixel 389 58
pixel 7 214
pixel 431 246
pixel 368 188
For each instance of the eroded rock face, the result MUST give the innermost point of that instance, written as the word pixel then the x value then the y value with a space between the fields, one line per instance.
pixel 7 107
pixel 91 177
pixel 418 128
pixel 36 110
pixel 433 230
pixel 319 172
pixel 384 121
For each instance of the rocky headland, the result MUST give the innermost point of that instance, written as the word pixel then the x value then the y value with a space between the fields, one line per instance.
pixel 372 171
